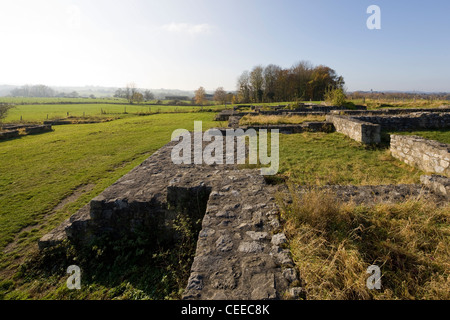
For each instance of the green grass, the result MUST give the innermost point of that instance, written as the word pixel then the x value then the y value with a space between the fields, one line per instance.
pixel 37 171
pixel 39 113
pixel 321 158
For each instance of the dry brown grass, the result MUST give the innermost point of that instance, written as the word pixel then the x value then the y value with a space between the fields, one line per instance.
pixel 274 119
pixel 334 243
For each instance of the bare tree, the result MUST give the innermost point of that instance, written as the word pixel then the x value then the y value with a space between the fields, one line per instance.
pixel 243 87
pixel 270 81
pixel 130 91
pixel 257 83
pixel 220 95
pixel 148 95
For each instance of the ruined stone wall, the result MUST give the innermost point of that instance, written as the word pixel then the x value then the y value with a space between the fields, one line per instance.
pixel 9 134
pixel 427 155
pixel 358 130
pixel 413 121
pixel 397 111
pixel 315 126
pixel 438 184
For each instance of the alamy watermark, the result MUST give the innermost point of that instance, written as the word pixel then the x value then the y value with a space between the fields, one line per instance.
pixel 74 280
pixel 374 281
pixel 374 21
pixel 213 153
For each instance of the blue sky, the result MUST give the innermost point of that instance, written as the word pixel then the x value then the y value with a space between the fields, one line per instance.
pixel 190 43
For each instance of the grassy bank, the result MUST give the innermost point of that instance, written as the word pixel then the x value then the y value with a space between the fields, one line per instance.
pixel 320 158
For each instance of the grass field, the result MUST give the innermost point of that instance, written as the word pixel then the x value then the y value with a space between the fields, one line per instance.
pixel 407 103
pixel 40 113
pixel 46 178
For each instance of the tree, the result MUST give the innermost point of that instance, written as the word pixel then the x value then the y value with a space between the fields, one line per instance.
pixel 270 79
pixel 33 91
pixel 200 96
pixel 73 94
pixel 243 87
pixel 4 108
pixel 335 96
pixel 220 95
pixel 322 78
pixel 119 93
pixel 257 83
pixel 137 97
pixel 301 75
pixel 148 95
pixel 130 91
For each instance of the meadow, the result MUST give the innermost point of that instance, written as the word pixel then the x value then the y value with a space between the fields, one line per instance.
pixel 41 112
pixel 45 178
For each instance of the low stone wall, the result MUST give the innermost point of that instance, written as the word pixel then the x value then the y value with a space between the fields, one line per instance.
pixel 412 121
pixel 38 129
pixel 381 112
pixel 319 126
pixel 358 130
pixel 13 130
pixel 438 184
pixel 427 155
pixel 241 252
pixel 9 134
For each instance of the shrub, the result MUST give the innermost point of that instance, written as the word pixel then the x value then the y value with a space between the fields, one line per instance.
pixel 335 97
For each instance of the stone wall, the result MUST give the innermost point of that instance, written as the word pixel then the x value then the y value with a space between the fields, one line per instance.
pixel 241 252
pixel 427 155
pixel 381 112
pixel 438 184
pixel 38 129
pixel 319 126
pixel 411 121
pixel 15 130
pixel 358 130
pixel 9 134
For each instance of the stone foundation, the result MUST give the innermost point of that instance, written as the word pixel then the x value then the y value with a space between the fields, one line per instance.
pixel 438 184
pixel 358 130
pixel 427 155
pixel 240 251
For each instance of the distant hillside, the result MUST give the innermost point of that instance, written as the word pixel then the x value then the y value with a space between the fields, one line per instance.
pixel 102 92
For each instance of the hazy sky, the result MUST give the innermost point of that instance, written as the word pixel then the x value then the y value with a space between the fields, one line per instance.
pixel 190 43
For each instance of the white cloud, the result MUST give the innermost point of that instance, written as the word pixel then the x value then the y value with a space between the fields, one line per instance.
pixel 187 28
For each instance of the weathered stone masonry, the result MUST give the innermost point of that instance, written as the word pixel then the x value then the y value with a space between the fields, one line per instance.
pixel 427 155
pixel 358 130
pixel 240 251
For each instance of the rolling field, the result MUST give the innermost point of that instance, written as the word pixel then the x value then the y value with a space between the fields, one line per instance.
pixel 40 113
pixel 38 171
pixel 46 178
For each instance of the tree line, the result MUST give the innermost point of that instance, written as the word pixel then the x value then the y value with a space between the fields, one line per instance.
pixel 302 81
pixel 133 94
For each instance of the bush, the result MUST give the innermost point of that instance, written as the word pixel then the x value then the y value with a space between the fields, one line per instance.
pixel 336 97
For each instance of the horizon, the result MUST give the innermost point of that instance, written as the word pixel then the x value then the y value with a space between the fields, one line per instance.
pixel 175 46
